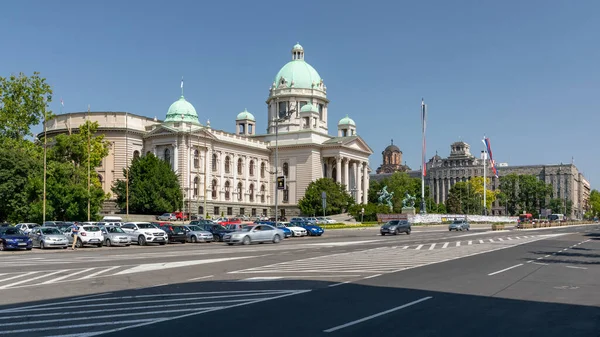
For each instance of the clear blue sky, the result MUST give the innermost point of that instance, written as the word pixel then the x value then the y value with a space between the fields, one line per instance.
pixel 525 73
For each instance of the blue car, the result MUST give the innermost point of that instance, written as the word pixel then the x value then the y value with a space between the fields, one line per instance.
pixel 286 231
pixel 312 230
pixel 13 238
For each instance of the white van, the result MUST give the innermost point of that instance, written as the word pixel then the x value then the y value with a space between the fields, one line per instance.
pixel 112 219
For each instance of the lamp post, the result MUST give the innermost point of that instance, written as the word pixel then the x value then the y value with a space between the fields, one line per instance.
pixel 281 117
pixel 362 215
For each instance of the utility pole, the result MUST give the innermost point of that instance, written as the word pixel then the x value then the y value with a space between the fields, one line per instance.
pixel 89 165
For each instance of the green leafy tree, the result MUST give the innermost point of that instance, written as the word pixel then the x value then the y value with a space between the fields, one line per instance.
pixel 153 187
pixel 490 195
pixel 400 183
pixel 463 199
pixel 338 200
pixel 509 187
pixel 371 211
pixel 594 204
pixel 23 103
pixel 560 206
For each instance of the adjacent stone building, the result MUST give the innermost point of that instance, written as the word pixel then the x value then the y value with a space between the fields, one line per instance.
pixel 234 173
pixel 442 173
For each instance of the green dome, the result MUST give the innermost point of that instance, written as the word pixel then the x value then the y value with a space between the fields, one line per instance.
pixel 182 111
pixel 297 73
pixel 346 121
pixel 245 115
pixel 309 108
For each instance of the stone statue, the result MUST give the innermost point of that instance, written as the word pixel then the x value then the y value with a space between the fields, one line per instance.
pixel 385 197
pixel 409 200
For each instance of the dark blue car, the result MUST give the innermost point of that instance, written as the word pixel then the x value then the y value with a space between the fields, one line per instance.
pixel 217 231
pixel 13 238
pixel 311 229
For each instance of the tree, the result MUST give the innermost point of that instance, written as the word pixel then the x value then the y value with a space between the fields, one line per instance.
pixel 509 198
pixel 400 183
pixel 23 103
pixel 338 199
pixel 153 187
pixel 462 199
pixel 490 195
pixel 594 208
pixel 371 211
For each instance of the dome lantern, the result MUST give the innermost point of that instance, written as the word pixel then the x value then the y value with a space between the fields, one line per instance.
pixel 346 127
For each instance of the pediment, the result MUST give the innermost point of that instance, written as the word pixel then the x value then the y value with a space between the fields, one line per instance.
pixel 352 142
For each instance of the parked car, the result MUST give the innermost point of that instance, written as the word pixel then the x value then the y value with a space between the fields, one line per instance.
pixel 254 233
pixel 280 225
pixel 396 227
pixel 88 235
pixel 229 221
pixel 167 217
pixel 311 229
pixel 115 236
pixel 144 233
pixel 217 231
pixel 174 233
pixel 459 225
pixel 325 221
pixel 48 237
pixel 295 230
pixel 13 238
pixel 197 234
pixel 181 216
pixel 26 227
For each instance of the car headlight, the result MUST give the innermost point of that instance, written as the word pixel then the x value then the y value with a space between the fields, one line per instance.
pixel 148 233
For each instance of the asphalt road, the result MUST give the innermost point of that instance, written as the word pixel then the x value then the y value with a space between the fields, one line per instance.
pixel 347 283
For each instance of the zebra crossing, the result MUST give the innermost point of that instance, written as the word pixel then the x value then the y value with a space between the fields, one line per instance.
pixel 383 260
pixel 85 316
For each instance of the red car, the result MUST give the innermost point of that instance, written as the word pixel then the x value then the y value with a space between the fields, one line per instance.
pixel 230 221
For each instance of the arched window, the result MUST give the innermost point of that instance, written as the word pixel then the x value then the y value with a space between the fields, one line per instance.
pixel 227 188
pixel 136 154
pixel 251 190
pixel 251 168
pixel 240 192
pixel 196 158
pixel 201 210
pixel 240 166
pixel 167 156
pixel 195 187
pixel 214 189
pixel 286 169
pixel 263 168
pixel 262 194
pixel 227 164
pixel 214 162
pixel 101 180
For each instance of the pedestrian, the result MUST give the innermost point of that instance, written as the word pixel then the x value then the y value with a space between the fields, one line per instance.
pixel 74 232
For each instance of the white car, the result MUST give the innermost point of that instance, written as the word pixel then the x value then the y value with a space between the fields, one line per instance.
pixel 296 231
pixel 26 227
pixel 88 235
pixel 144 233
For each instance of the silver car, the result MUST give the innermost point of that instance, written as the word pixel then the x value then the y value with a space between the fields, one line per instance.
pixel 48 237
pixel 196 234
pixel 115 236
pixel 459 225
pixel 256 233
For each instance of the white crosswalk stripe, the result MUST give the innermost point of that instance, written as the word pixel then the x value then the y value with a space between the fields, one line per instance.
pixel 383 259
pixel 105 314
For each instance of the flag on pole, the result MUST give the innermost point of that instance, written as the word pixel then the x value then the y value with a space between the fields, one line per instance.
pixel 181 82
pixel 424 127
pixel 62 103
pixel 488 146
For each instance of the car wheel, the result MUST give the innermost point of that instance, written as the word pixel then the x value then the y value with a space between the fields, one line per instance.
pixel 65 247
pixel 182 242
pixel 276 238
pixel 408 231
pixel 382 234
pixel 108 243
pixel 99 245
pixel 396 232
pixel 229 243
pixel 141 240
pixel 449 229
pixel 194 239
pixel 468 228
pixel 246 240
pixel 162 243
pixel 42 246
pixel 78 244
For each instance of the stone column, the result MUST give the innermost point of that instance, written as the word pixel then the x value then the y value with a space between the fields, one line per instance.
pixel 346 163
pixel 365 187
pixel 154 151
pixel 207 168
pixel 175 157
pixel 246 177
pixel 221 167
pixel 338 169
pixel 233 185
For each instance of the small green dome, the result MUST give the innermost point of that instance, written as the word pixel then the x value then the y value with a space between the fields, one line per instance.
pixel 245 115
pixel 309 107
pixel 346 121
pixel 297 73
pixel 182 111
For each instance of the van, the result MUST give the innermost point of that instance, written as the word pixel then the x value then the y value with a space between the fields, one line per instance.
pixel 112 219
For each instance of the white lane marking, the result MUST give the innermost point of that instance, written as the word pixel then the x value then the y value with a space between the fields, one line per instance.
pixel 338 244
pixel 541 264
pixel 445 244
pixel 574 267
pixel 480 241
pixel 30 279
pixel 17 276
pixel 419 247
pixel 491 240
pixel 338 284
pixel 503 270
pixel 405 247
pixel 539 258
pixel 89 296
pixel 335 328
pixel 547 255
pixel 509 238
pixel 432 246
pixel 470 243
pixel 50 327
pixel 518 238
pixel 200 278
pixel 98 273
pixel 56 279
pixel 261 279
pixel 372 276
pixel 166 265
pixel 500 239
pixel 457 243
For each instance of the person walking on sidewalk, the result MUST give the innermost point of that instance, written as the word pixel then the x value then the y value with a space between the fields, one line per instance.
pixel 74 233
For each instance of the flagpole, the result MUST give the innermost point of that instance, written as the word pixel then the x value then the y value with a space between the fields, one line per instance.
pixel 89 165
pixel 127 165
pixel 485 156
pixel 45 165
pixel 423 166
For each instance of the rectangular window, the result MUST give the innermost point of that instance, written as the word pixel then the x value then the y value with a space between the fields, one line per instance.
pixel 254 212
pixel 242 211
pixel 282 109
pixel 216 211
pixel 286 196
pixel 321 112
pixel 264 213
pixel 229 210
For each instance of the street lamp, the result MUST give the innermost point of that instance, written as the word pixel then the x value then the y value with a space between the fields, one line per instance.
pixel 362 215
pixel 282 116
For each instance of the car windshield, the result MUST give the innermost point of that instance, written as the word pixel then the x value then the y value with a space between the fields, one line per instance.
pixel 12 231
pixel 145 226
pixel 114 230
pixel 247 228
pixel 457 222
pixel 177 229
pixel 392 223
pixel 194 228
pixel 50 231
pixel 91 228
